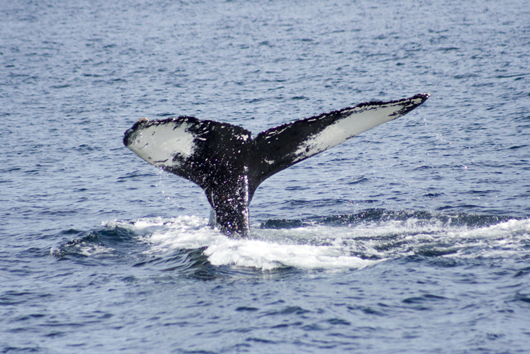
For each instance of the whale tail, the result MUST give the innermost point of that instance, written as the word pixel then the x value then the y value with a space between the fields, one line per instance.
pixel 229 165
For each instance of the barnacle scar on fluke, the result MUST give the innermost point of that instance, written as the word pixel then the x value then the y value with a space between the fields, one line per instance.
pixel 229 164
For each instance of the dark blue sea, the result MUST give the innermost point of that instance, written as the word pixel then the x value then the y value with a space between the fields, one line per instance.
pixel 413 237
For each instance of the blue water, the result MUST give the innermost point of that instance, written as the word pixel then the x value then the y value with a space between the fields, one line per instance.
pixel 412 238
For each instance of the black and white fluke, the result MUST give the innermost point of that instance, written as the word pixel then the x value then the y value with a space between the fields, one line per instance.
pixel 229 164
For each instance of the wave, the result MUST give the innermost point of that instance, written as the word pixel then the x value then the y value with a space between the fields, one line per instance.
pixel 187 244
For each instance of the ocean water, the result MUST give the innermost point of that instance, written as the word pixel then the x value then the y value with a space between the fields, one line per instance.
pixel 413 237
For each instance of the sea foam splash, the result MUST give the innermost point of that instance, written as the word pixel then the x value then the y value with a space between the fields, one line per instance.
pixel 331 247
pixel 263 250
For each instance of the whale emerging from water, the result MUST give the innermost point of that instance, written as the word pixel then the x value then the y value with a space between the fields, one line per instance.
pixel 229 164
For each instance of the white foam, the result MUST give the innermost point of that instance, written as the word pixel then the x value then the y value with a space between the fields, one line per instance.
pixel 189 232
pixel 266 255
pixel 333 248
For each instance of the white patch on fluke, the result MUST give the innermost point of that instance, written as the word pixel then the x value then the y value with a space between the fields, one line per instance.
pixel 159 144
pixel 360 119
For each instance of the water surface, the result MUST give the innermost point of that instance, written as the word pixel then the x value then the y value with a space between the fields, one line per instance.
pixel 412 237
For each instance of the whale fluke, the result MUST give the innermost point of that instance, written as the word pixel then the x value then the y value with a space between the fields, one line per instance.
pixel 229 165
